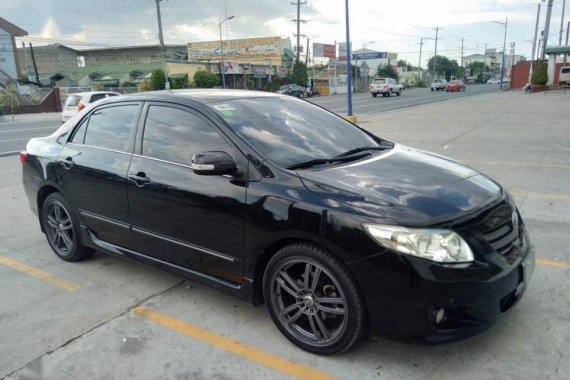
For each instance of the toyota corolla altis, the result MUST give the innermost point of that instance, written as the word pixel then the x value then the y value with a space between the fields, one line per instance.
pixel 275 200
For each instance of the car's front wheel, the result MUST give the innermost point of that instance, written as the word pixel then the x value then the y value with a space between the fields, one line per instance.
pixel 313 299
pixel 62 229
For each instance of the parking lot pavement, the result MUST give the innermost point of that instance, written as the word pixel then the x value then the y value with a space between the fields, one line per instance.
pixel 109 318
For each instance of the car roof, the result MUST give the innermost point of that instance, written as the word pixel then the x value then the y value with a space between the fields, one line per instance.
pixel 200 95
pixel 93 93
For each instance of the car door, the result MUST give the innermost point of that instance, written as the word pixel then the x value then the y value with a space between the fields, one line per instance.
pixel 189 220
pixel 92 170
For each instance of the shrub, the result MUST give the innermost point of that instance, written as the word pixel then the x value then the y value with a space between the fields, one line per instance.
pixel 205 79
pixel 144 85
pixel 157 80
pixel 178 83
pixel 540 75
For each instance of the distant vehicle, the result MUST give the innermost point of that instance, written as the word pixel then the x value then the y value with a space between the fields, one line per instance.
pixel 455 85
pixel 386 87
pixel 76 102
pixel 293 90
pixel 493 81
pixel 438 84
pixel 564 76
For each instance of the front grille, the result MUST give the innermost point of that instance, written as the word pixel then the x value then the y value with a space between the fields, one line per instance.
pixel 497 228
pixel 503 238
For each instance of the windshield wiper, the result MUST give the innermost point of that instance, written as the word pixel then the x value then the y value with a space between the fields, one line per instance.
pixel 364 149
pixel 321 161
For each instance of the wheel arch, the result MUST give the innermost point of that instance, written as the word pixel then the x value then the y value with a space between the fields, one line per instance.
pixel 43 193
pixel 271 246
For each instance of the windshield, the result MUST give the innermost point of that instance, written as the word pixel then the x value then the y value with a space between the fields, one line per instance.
pixel 288 131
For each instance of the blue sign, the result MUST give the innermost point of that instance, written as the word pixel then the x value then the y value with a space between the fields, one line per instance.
pixel 370 55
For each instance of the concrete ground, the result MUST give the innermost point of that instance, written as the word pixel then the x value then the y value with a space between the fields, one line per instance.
pixel 108 318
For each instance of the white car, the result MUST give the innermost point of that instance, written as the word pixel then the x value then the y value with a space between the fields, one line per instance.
pixel 76 102
pixel 385 87
pixel 438 84
pixel 493 81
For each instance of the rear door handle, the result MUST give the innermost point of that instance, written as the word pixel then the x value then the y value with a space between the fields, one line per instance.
pixel 140 179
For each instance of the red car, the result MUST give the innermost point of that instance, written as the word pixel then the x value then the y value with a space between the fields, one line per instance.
pixel 455 85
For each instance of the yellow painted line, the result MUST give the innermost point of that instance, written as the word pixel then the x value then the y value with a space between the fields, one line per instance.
pixel 540 195
pixel 52 279
pixel 525 164
pixel 230 345
pixel 552 263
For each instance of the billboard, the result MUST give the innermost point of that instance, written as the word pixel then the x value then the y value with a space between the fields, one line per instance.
pixel 491 53
pixel 246 48
pixel 342 51
pixel 230 68
pixel 370 55
pixel 324 50
pixel 259 71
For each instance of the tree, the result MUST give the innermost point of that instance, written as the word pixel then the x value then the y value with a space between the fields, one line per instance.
pixel 205 79
pixel 477 70
pixel 157 79
pixel 540 74
pixel 444 67
pixel 385 71
pixel 300 74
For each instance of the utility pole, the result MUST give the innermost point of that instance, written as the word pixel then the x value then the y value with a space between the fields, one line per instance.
pixel 420 60
pixel 162 48
pixel 34 62
pixel 298 21
pixel 567 30
pixel 348 68
pixel 562 22
pixel 534 42
pixel 307 54
pixel 546 28
pixel 435 53
pixel 512 59
pixel 462 68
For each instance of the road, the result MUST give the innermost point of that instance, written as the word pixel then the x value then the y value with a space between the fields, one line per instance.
pixel 365 104
pixel 15 134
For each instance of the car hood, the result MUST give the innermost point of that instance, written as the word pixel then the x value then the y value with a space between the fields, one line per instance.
pixel 405 186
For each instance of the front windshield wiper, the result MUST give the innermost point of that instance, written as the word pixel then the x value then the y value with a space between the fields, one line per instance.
pixel 364 149
pixel 321 161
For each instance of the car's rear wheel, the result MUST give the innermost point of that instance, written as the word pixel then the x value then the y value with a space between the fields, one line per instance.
pixel 374 94
pixel 313 299
pixel 390 93
pixel 399 93
pixel 62 229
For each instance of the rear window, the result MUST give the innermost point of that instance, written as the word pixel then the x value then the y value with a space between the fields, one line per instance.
pixel 565 70
pixel 379 81
pixel 72 100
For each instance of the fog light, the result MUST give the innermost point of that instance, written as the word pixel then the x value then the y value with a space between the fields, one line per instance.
pixel 439 316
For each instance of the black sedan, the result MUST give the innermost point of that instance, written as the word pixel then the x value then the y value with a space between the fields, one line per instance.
pixel 275 200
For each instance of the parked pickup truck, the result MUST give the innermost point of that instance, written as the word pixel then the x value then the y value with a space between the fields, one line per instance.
pixel 386 87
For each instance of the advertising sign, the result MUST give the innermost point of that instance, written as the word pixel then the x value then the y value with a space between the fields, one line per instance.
pixel 370 55
pixel 247 48
pixel 342 51
pixel 491 53
pixel 324 50
pixel 282 72
pixel 230 68
pixel 259 71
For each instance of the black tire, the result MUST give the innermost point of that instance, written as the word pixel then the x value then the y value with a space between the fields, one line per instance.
pixel 374 94
pixel 432 89
pixel 390 93
pixel 62 229
pixel 287 292
pixel 399 93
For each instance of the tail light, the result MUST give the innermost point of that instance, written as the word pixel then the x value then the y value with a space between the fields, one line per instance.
pixel 386 86
pixel 23 156
pixel 80 106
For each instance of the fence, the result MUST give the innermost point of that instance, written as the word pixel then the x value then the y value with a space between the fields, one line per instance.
pixel 17 99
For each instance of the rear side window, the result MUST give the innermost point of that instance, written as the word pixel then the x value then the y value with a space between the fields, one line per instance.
pixel 111 127
pixel 72 100
pixel 96 97
pixel 175 135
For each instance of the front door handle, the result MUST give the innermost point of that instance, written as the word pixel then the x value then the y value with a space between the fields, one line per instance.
pixel 67 163
pixel 140 179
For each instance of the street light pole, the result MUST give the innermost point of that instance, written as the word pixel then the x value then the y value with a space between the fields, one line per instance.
pixel 505 24
pixel 534 41
pixel 348 53
pixel 223 67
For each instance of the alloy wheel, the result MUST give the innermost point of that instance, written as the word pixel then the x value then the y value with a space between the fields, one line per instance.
pixel 59 228
pixel 309 302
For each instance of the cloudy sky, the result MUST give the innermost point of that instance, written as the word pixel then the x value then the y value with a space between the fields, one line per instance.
pixel 394 26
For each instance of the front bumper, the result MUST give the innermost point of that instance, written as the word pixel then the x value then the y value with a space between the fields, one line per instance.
pixel 404 294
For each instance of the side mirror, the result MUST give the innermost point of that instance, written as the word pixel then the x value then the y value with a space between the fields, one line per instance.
pixel 214 162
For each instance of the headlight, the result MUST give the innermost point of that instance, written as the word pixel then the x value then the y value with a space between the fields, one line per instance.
pixel 444 246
